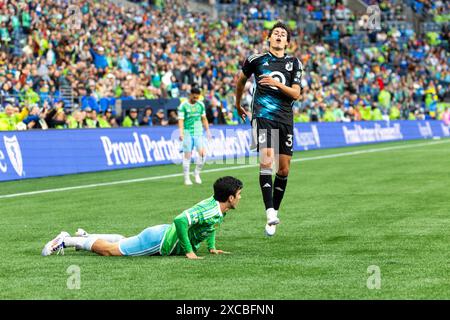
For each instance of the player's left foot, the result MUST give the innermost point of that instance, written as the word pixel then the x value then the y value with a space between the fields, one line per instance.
pixel 197 179
pixel 187 181
pixel 55 245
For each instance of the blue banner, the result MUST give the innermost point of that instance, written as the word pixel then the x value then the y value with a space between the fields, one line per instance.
pixel 33 154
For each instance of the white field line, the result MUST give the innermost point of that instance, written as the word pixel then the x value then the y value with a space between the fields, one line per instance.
pixel 112 183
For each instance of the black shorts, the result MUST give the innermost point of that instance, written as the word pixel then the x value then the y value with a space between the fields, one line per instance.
pixel 273 134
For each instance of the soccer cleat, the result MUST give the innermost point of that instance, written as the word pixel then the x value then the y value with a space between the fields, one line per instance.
pixel 81 233
pixel 187 181
pixel 55 245
pixel 272 217
pixel 270 230
pixel 197 179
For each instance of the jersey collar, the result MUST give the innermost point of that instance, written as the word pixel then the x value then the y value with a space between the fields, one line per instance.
pixel 218 206
pixel 273 56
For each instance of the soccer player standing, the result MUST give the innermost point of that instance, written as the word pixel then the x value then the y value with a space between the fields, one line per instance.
pixel 191 116
pixel 277 86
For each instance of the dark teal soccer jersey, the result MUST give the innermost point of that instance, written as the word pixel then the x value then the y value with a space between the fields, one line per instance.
pixel 270 102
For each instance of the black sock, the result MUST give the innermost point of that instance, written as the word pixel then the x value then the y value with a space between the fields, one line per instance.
pixel 265 181
pixel 279 187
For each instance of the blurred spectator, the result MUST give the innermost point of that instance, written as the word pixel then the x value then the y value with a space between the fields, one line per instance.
pixel 159 119
pixel 124 52
pixel 9 119
pixel 56 119
pixel 173 118
pixel 107 120
pixel 131 120
pixel 35 119
pixel 76 120
pixel 147 119
pixel 91 120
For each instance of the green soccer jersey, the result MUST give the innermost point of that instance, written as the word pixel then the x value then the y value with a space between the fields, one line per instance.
pixel 192 227
pixel 192 116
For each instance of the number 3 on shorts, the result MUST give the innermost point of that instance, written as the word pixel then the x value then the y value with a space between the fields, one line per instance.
pixel 289 140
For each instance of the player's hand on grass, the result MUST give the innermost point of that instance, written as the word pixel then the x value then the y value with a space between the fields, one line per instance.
pixel 192 255
pixel 267 80
pixel 214 251
pixel 241 112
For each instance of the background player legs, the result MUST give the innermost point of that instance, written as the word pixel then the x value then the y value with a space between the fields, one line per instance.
pixel 201 159
pixel 186 167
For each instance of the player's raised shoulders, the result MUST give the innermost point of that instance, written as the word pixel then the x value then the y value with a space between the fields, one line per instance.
pixel 208 202
pixel 256 56
pixel 211 206
pixel 208 208
pixel 291 58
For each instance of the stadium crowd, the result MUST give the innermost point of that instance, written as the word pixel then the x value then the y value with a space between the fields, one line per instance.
pixel 101 52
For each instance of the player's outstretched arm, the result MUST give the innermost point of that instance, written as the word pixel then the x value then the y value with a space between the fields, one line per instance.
pixel 215 251
pixel 192 255
pixel 211 241
pixel 182 225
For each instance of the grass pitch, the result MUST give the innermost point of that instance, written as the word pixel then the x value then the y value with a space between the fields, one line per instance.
pixel 340 215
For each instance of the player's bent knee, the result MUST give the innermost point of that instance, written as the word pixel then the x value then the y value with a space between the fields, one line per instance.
pixel 283 172
pixel 265 165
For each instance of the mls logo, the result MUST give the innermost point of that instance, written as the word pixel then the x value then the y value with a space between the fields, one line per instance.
pixel 289 66
pixel 14 153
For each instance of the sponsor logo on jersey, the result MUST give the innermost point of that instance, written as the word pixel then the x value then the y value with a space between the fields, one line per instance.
pixel 277 75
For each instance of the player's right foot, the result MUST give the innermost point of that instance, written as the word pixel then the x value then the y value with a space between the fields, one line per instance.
pixel 187 181
pixel 55 245
pixel 272 217
pixel 270 230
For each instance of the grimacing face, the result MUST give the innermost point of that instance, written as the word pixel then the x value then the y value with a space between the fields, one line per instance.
pixel 278 39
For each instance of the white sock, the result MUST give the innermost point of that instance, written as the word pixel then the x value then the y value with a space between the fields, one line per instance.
pixel 186 167
pixel 200 163
pixel 84 243
pixel 271 213
pixel 113 238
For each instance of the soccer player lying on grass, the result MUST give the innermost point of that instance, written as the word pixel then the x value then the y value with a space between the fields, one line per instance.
pixel 183 236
